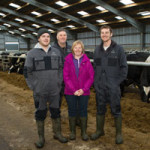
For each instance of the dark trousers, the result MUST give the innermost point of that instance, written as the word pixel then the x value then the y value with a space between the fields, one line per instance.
pixel 111 97
pixel 42 103
pixel 77 105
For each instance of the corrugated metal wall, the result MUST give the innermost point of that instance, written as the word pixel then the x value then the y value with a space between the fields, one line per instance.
pixel 129 37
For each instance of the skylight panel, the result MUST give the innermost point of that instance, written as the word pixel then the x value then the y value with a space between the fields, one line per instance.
pixel 36 13
pixel 70 26
pixel 19 20
pixel 82 13
pixel 2 14
pixel 100 21
pixel 21 29
pixel 126 2
pixel 6 24
pixel 144 13
pixel 34 33
pixel 50 30
pixel 54 20
pixel 100 8
pixel 14 5
pixel 35 25
pixel 11 32
pixel 118 17
pixel 61 3
pixel 23 35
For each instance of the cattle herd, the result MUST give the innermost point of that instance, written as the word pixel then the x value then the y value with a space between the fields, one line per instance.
pixel 137 75
pixel 16 61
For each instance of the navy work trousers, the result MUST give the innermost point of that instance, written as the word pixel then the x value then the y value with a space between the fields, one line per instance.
pixel 77 105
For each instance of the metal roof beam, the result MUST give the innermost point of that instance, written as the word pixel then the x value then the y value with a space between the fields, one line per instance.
pixel 131 20
pixel 17 25
pixel 62 14
pixel 18 32
pixel 44 23
pixel 28 17
pixel 21 26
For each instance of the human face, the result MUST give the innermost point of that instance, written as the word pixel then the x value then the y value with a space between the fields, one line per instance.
pixel 44 40
pixel 105 35
pixel 62 37
pixel 78 50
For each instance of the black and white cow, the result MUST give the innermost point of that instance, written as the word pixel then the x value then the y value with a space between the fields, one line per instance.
pixel 139 75
pixel 17 63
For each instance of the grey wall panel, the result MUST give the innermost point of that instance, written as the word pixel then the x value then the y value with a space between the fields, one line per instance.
pixel 148 28
pixel 86 35
pixel 10 39
pixel 1 35
pixel 147 40
pixel 121 31
pixel 129 37
pixel 23 46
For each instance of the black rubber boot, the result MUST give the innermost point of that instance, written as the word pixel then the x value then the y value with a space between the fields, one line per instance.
pixel 118 124
pixel 100 120
pixel 40 128
pixel 72 124
pixel 56 124
pixel 83 128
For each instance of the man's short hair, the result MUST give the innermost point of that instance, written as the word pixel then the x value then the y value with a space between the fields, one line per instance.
pixel 61 29
pixel 106 27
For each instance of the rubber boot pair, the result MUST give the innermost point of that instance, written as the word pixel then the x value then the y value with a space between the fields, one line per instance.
pixel 118 125
pixel 40 128
pixel 100 120
pixel 56 124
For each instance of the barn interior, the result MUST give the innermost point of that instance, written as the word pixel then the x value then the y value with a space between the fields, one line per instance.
pixel 19 22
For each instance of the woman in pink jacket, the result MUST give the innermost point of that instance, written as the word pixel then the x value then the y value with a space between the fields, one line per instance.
pixel 78 76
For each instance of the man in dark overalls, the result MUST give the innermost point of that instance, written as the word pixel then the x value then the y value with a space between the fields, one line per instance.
pixel 110 66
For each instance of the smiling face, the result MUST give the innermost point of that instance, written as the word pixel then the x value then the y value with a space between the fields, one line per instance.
pixel 62 37
pixel 77 50
pixel 44 40
pixel 105 35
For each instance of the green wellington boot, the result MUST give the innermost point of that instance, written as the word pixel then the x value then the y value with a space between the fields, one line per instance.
pixel 100 120
pixel 118 124
pixel 40 128
pixel 72 124
pixel 83 128
pixel 56 124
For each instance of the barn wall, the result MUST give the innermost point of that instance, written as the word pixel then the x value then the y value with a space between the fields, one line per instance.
pixel 1 42
pixel 129 38
pixel 4 37
pixel 147 37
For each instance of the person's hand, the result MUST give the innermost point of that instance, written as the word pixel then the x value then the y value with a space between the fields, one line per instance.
pixel 80 92
pixel 76 93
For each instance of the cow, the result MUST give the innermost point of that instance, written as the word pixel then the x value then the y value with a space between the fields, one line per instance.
pixel 139 75
pixel 17 63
